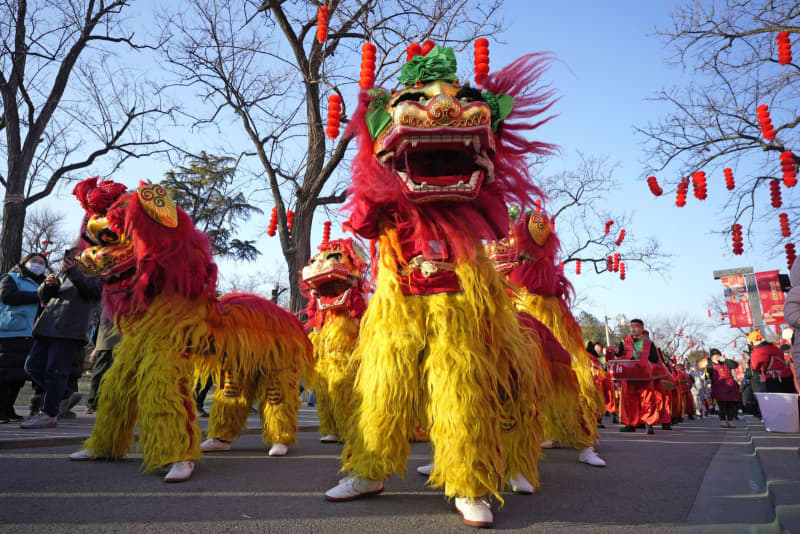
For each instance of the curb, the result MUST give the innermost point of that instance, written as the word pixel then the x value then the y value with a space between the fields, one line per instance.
pixel 27 443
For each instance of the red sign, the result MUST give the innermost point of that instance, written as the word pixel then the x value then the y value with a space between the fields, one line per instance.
pixel 736 300
pixel 771 296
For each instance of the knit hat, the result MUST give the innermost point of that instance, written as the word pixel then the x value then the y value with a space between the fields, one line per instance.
pixel 712 352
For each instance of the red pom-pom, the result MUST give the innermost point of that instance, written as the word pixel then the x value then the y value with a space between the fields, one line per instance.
pixel 326 232
pixel 414 49
pixel 427 46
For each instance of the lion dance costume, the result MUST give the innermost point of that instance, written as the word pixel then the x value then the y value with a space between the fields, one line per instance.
pixel 436 164
pixel 335 284
pixel 541 294
pixel 160 286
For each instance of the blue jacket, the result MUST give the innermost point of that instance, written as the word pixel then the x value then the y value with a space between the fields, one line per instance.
pixel 19 304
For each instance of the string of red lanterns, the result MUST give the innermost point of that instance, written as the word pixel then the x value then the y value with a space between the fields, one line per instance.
pixel 608 226
pixel 652 183
pixel 289 220
pixel 368 56
pixel 616 262
pixel 699 185
pixel 326 232
pixel 790 255
pixel 622 271
pixel 775 193
pixel 788 168
pixel 683 188
pixel 764 120
pixel 784 219
pixel 784 48
pixel 621 237
pixel 323 16
pixel 729 182
pixel 334 116
pixel 577 266
pixel 610 263
pixel 273 222
pixel 736 232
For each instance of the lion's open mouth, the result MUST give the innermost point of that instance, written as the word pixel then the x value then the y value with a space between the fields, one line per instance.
pixel 332 294
pixel 440 166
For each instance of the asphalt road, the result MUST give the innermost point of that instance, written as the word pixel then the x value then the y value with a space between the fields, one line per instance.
pixel 650 483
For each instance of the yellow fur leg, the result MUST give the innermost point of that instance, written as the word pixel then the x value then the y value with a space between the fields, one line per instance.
pixel 229 411
pixel 336 371
pixel 112 434
pixel 280 404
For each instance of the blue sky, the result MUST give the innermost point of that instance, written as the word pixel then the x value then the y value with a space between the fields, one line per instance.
pixel 609 64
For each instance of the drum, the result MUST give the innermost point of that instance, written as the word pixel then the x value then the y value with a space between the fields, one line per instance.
pixel 633 370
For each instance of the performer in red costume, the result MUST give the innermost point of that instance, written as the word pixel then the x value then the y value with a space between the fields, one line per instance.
pixel 638 402
pixel 662 380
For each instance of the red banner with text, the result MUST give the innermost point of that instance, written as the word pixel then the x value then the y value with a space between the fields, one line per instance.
pixel 771 296
pixel 737 301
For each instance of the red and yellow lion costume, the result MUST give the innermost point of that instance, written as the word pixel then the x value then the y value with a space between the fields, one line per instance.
pixel 334 281
pixel 437 163
pixel 160 286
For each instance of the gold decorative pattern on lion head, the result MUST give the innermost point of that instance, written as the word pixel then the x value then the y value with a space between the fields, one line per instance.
pixel 333 272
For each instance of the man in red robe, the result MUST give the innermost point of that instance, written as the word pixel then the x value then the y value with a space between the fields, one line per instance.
pixel 638 400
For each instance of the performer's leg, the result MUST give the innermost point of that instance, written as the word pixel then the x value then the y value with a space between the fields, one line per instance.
pixel 230 407
pixel 112 433
pixel 168 430
pixel 629 404
pixel 280 404
pixel 327 422
pixel 648 407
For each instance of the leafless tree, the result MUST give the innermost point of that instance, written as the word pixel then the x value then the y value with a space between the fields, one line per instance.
pixel 729 49
pixel 258 63
pixel 677 335
pixel 44 232
pixel 579 204
pixel 66 101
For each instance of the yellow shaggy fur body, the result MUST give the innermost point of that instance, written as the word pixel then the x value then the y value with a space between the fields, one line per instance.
pixel 150 379
pixel 554 315
pixel 335 371
pixel 462 360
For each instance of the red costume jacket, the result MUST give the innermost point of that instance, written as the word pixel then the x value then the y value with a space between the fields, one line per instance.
pixel 769 359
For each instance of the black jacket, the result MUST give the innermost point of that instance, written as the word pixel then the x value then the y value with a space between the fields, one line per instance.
pixel 70 306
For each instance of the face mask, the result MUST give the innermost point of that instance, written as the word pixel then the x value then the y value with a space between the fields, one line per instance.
pixel 35 268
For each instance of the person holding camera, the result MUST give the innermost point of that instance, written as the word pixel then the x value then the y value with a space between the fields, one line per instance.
pixel 59 335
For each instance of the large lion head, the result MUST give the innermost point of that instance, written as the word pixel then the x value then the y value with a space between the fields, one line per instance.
pixel 142 245
pixel 449 156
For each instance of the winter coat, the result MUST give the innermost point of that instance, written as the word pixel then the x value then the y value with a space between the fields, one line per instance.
pixel 723 383
pixel 791 310
pixel 19 306
pixel 769 359
pixel 70 306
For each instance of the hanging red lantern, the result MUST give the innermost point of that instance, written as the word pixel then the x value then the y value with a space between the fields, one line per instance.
pixel 538 203
pixel 734 343
pixel 610 263
pixel 289 220
pixel 683 188
pixel 621 237
pixel 323 16
pixel 577 266
pixel 699 185
pixel 481 60
pixel 608 226
pixel 427 46
pixel 652 183
pixel 709 313
pixel 334 116
pixel 414 49
pixel 767 130
pixel 775 193
pixel 789 169
pixel 736 232
pixel 273 222
pixel 784 48
pixel 367 78
pixel 729 183
pixel 622 271
pixel 790 254
pixel 616 262
pixel 784 220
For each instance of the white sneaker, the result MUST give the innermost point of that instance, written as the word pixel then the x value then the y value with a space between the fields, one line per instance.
pixel 589 456
pixel 425 470
pixel 278 449
pixel 550 444
pixel 84 454
pixel 40 420
pixel 180 471
pixel 350 488
pixel 476 512
pixel 330 438
pixel 520 484
pixel 215 445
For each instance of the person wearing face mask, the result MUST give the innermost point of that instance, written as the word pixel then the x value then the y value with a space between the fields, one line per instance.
pixel 19 308
pixel 60 334
pixel 724 388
